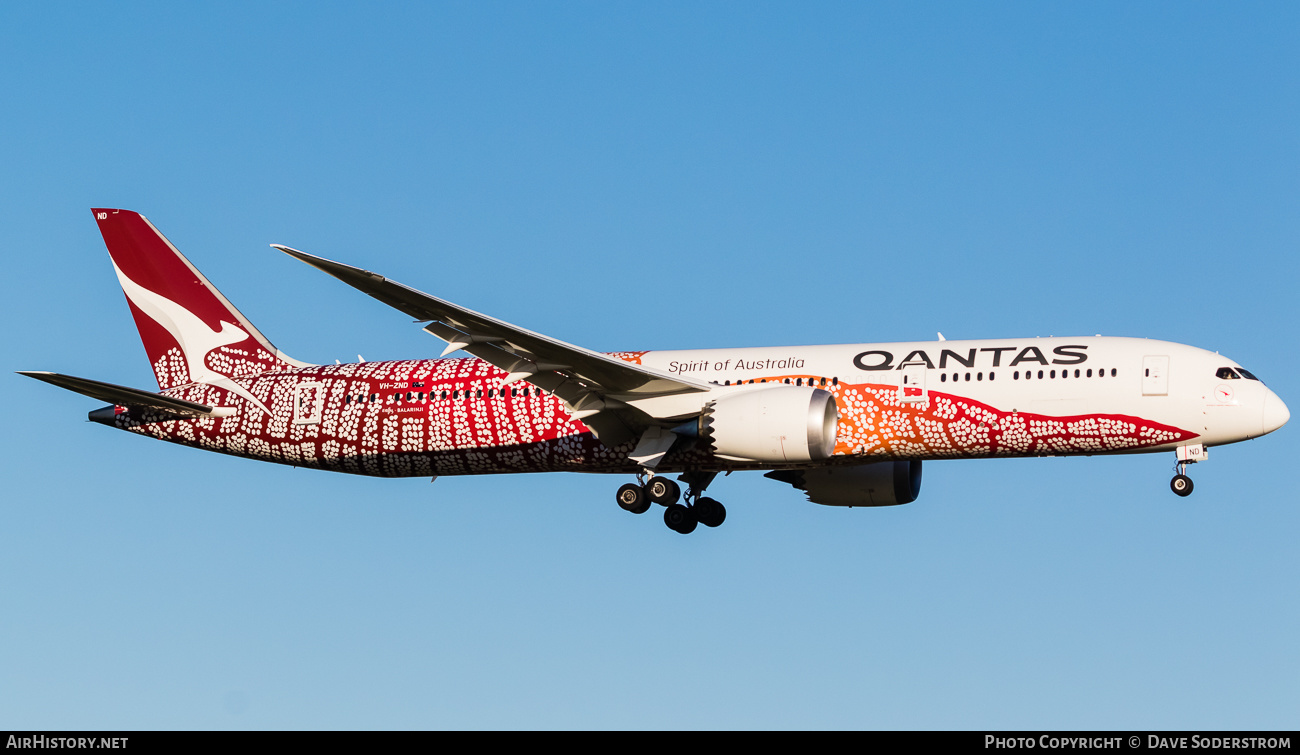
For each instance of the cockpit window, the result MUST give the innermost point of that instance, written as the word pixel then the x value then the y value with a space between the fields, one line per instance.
pixel 1226 373
pixel 1247 375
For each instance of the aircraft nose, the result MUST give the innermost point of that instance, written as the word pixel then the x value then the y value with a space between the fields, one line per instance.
pixel 1275 413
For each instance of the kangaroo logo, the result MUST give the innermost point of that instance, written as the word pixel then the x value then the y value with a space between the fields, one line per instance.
pixel 195 338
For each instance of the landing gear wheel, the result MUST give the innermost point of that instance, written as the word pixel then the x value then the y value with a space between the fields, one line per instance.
pixel 663 491
pixel 710 512
pixel 1181 484
pixel 680 519
pixel 633 498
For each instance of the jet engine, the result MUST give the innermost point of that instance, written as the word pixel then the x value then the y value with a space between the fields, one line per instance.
pixel 881 483
pixel 780 424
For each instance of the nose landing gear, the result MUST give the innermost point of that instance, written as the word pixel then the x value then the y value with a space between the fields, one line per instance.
pixel 637 498
pixel 1190 454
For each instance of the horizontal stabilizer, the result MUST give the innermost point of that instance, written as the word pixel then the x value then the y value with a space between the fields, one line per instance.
pixel 120 395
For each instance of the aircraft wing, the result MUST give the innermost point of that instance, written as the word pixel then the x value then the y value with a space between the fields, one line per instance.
pixel 120 395
pixel 594 385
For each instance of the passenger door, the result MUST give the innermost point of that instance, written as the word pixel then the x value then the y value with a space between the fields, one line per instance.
pixel 307 401
pixel 911 384
pixel 1155 376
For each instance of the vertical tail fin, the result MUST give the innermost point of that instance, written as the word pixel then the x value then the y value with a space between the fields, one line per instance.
pixel 190 332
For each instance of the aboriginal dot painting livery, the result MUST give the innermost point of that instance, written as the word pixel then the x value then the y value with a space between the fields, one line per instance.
pixel 849 425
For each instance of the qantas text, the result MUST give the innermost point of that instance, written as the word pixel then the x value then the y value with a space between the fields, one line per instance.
pixel 878 359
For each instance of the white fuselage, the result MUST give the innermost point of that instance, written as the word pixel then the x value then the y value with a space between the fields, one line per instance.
pixel 1168 383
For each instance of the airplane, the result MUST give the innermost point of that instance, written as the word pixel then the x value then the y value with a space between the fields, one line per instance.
pixel 848 425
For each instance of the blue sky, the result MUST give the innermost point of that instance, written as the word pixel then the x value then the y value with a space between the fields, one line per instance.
pixel 642 176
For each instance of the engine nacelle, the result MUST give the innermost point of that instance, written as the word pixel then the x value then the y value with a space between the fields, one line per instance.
pixel 882 483
pixel 780 424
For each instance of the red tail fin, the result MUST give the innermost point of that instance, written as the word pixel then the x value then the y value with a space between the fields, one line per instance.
pixel 191 333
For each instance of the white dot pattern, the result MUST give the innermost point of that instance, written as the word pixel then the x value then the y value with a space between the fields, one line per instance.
pixel 483 428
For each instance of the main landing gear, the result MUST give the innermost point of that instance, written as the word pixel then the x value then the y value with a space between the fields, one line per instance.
pixel 637 498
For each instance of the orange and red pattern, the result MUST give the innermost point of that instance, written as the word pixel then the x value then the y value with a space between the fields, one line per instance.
pixel 874 421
